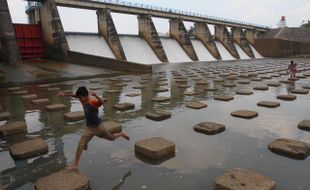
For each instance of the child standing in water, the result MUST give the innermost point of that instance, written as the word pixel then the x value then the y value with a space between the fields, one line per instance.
pixel 293 70
pixel 94 125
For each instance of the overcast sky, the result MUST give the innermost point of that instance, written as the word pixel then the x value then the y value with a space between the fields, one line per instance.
pixel 266 12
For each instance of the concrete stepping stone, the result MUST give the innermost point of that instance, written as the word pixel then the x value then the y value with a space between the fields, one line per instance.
pixel 29 149
pixel 260 88
pixel 274 84
pixel 306 86
pixel 55 107
pixel 133 94
pixel 155 148
pixel 180 80
pixel 290 148
pixel 287 97
pixel 218 80
pixel 190 93
pixel 243 82
pixel 229 85
pixel 125 106
pixel 300 91
pixel 53 89
pixel 40 101
pixel 256 79
pixel 243 179
pixel 266 77
pixel 268 104
pixel 44 85
pixel 246 114
pixel 209 128
pixel 285 81
pixel 183 86
pixel 63 180
pixel 139 87
pixel 30 97
pixel 75 116
pixel 12 89
pixel 4 116
pixel 223 98
pixel 160 99
pixel 244 92
pixel 304 125
pixel 232 77
pixel 211 89
pixel 113 126
pixel 12 128
pixel 161 89
pixel 158 115
pixel 113 91
pixel 202 82
pixel 196 105
pixel 20 92
pixel 120 84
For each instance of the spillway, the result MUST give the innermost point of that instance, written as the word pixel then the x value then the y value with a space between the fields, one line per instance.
pixel 256 54
pixel 174 51
pixel 223 51
pixel 201 51
pixel 241 53
pixel 90 44
pixel 138 50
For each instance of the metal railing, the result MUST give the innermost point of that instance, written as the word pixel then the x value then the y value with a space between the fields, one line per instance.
pixel 167 10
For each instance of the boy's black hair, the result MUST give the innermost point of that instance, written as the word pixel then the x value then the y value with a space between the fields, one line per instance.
pixel 292 62
pixel 81 91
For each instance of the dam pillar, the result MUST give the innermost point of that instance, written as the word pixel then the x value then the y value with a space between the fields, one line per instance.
pixel 9 51
pixel 178 32
pixel 148 32
pixel 203 33
pixel 250 36
pixel 223 35
pixel 241 40
pixel 107 29
pixel 56 45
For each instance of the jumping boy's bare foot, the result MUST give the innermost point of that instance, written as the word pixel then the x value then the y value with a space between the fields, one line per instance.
pixel 72 168
pixel 124 135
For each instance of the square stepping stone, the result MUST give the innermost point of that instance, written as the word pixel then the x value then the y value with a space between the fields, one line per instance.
pixel 161 89
pixel 21 92
pixel 304 125
pixel 113 126
pixel 112 91
pixel 63 180
pixel 189 93
pixel 211 89
pixel 133 94
pixel 223 98
pixel 40 101
pixel 155 148
pixel 260 88
pixel 53 89
pixel 244 92
pixel 139 86
pixel 75 116
pixel 55 107
pixel 29 149
pixel 274 84
pixel 183 86
pixel 290 148
pixel 246 114
pixel 124 106
pixel 30 97
pixel 268 104
pixel 44 85
pixel 196 105
pixel 229 85
pixel 12 128
pixel 306 86
pixel 209 128
pixel 12 89
pixel 244 82
pixel 300 91
pixel 4 116
pixel 158 115
pixel 287 97
pixel 218 80
pixel 243 179
pixel 202 82
pixel 160 99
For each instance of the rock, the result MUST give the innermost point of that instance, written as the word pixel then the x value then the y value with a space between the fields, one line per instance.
pixel 306 86
pixel 30 97
pixel 274 84
pixel 161 89
pixel 190 93
pixel 244 114
pixel 202 82
pixel 244 92
pixel 63 180
pixel 53 89
pixel 243 179
pixel 285 81
pixel 290 148
pixel 266 77
pixel 74 116
pixel 268 104
pixel 304 125
pixel 256 79
pixel 229 85
pixel 158 115
pixel 211 89
pixel 44 86
pixel 133 94
pixel 183 86
pixel 260 88
pixel 4 116
pixel 55 107
pixel 124 106
pixel 244 82
pixel 223 98
pixel 12 89
pixel 155 148
pixel 160 99
pixel 120 84
pixel 29 149
pixel 40 101
pixel 113 91
pixel 287 97
pixel 196 105
pixel 139 86
pixel 113 126
pixel 300 91
pixel 209 128
pixel 20 92
pixel 12 128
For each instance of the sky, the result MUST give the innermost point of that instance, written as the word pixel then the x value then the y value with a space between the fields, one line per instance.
pixel 265 12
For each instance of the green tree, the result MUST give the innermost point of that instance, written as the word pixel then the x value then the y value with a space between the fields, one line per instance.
pixel 305 24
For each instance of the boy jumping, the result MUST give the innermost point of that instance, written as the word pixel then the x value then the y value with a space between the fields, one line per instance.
pixel 94 126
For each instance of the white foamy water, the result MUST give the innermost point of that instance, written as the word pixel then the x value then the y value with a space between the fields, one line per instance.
pixel 201 51
pixel 223 51
pixel 256 54
pixel 174 51
pixel 241 53
pixel 89 44
pixel 138 50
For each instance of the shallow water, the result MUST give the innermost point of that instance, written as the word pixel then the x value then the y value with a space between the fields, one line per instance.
pixel 199 158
